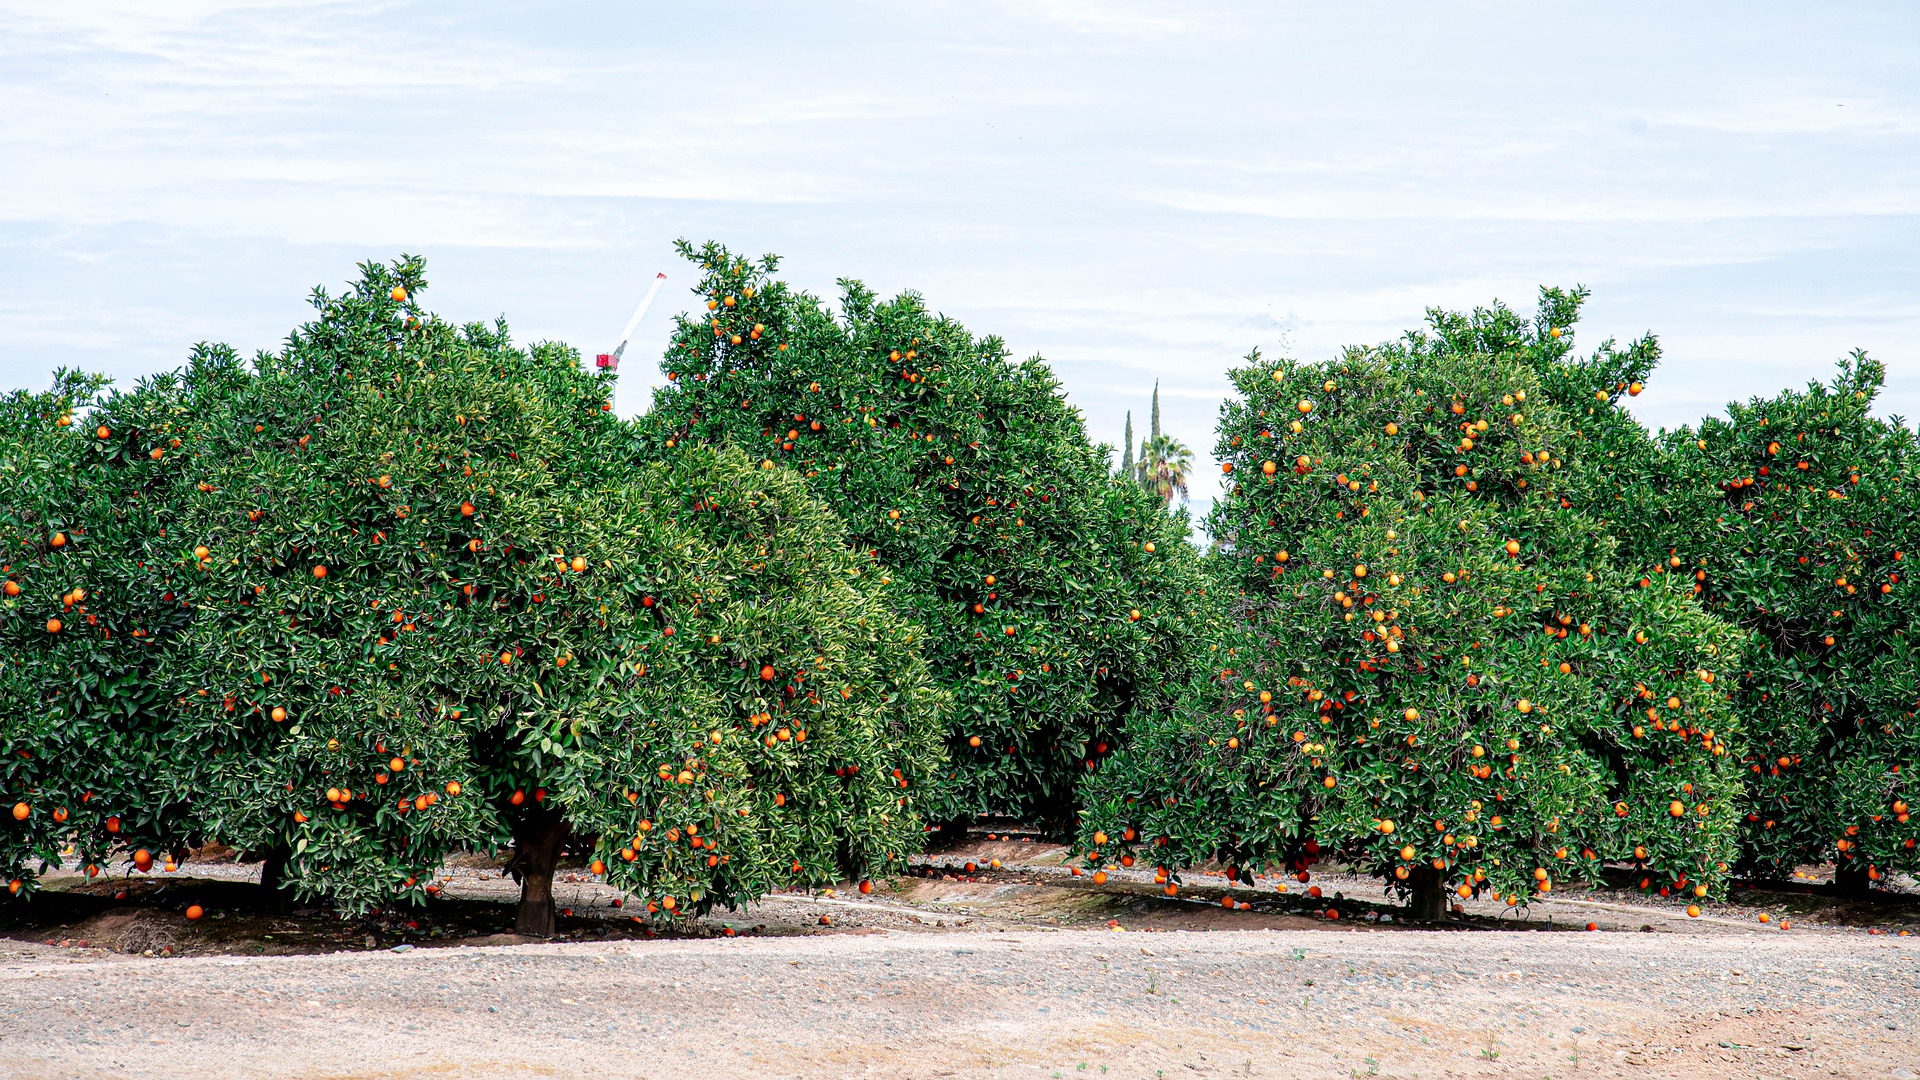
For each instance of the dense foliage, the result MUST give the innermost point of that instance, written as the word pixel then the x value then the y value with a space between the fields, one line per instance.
pixel 404 587
pixel 83 727
pixel 1058 599
pixel 1434 665
pixel 1797 517
pixel 432 607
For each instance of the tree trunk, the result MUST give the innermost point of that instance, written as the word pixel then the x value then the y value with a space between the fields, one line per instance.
pixel 537 841
pixel 1428 902
pixel 273 880
pixel 1850 878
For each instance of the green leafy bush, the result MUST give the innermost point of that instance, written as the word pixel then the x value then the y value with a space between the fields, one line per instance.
pixel 1057 599
pixel 83 725
pixel 433 607
pixel 1433 666
pixel 1798 517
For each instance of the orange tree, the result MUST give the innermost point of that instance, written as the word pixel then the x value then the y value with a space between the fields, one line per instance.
pixel 1802 514
pixel 432 609
pixel 1057 599
pixel 1791 518
pixel 82 726
pixel 1431 666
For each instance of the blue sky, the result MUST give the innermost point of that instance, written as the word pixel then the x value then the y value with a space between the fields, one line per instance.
pixel 1135 192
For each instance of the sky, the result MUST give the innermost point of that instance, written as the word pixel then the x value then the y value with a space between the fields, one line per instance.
pixel 1138 193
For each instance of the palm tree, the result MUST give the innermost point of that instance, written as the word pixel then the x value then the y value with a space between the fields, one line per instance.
pixel 1166 461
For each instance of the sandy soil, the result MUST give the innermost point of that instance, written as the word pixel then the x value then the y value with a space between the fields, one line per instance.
pixel 987 1004
pixel 1016 972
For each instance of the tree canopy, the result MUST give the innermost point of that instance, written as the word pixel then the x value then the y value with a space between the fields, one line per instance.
pixel 1057 598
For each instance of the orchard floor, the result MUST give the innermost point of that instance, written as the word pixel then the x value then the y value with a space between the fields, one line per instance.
pixel 1020 972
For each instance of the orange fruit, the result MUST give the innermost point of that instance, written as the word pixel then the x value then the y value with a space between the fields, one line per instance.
pixel 194 911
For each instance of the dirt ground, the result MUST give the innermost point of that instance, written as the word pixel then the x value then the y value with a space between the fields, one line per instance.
pixel 1023 970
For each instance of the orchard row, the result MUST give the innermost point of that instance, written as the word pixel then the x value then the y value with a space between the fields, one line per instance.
pixel 404 588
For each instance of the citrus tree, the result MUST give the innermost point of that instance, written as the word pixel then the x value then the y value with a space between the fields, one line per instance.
pixel 82 723
pixel 1057 599
pixel 1804 514
pixel 1792 518
pixel 1430 665
pixel 432 607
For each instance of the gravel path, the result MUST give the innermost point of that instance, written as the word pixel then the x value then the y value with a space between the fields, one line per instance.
pixel 1028 1003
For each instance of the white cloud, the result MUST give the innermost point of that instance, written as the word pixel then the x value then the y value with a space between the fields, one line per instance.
pixel 1136 191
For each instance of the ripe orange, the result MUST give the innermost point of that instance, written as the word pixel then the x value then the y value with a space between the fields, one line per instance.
pixel 319 571
pixel 453 787
pixel 194 911
pixel 58 540
pixel 53 626
pixel 399 294
pixel 21 810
